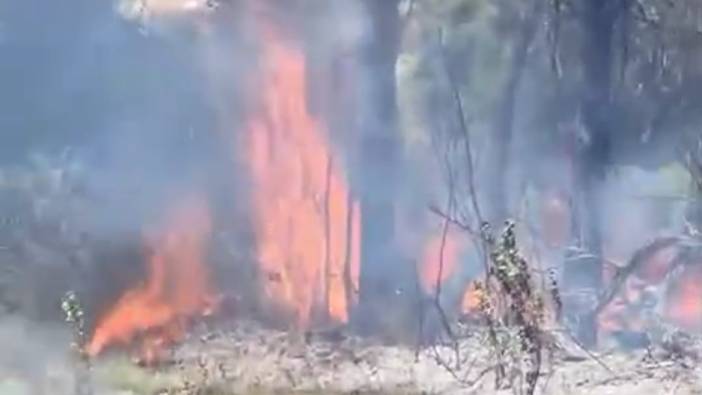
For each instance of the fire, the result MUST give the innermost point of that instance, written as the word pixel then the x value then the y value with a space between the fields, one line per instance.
pixel 441 262
pixel 472 299
pixel 684 304
pixel 306 225
pixel 440 259
pixel 177 287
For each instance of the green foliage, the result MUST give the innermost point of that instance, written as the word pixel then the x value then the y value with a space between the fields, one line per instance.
pixel 75 316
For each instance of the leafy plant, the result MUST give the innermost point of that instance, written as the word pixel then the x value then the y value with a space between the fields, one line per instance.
pixel 75 317
pixel 513 306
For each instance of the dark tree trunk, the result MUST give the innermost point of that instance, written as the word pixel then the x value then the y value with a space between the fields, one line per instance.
pixel 584 275
pixel 378 155
pixel 504 122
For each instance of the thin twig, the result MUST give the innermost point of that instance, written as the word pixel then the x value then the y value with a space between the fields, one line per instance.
pixel 468 147
pixel 442 248
pixel 464 381
pixel 327 236
pixel 453 221
pixel 460 115
pixel 589 353
pixel 350 226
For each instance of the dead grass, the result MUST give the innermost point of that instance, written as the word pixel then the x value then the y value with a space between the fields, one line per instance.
pixel 123 375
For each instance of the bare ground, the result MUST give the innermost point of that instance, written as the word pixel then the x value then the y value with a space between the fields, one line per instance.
pixel 245 358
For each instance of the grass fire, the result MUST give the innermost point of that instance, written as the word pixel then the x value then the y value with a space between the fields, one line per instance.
pixel 177 288
pixel 350 197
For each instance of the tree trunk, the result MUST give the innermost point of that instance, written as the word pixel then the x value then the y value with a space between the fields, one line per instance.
pixel 584 275
pixel 381 273
pixel 504 122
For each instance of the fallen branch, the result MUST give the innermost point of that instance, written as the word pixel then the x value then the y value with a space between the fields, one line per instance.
pixel 636 261
pixel 589 353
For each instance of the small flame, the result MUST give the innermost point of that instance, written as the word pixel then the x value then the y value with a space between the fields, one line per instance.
pixel 440 259
pixel 441 262
pixel 176 290
pixel 684 303
pixel 307 228
pixel 472 299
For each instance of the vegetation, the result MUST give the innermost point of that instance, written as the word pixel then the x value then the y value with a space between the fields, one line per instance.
pixel 514 312
pixel 75 316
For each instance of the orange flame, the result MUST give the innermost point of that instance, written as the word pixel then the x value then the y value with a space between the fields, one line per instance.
pixel 307 228
pixel 472 299
pixel 440 259
pixel 176 290
pixel 684 304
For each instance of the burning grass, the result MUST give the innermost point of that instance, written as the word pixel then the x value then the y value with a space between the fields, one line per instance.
pixel 177 289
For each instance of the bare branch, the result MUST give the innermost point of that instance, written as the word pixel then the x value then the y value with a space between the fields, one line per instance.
pixel 639 258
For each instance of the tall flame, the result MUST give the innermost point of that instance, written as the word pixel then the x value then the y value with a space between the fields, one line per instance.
pixel 177 287
pixel 305 223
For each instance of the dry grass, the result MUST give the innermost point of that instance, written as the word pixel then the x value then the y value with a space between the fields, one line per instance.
pixel 123 375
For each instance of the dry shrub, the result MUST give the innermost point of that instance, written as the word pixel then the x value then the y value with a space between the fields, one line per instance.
pixel 514 308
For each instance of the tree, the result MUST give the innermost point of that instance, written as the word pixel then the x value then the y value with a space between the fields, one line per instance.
pixel 527 20
pixel 382 272
pixel 635 66
pixel 593 152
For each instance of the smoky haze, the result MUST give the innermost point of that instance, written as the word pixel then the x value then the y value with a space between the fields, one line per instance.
pixel 108 111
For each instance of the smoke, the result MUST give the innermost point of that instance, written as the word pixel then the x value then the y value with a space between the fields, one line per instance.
pixel 106 118
pixel 131 104
pixel 137 102
pixel 34 356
